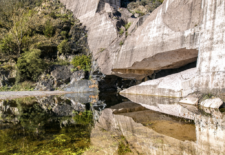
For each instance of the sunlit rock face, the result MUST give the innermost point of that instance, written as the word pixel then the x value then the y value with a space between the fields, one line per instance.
pixel 176 33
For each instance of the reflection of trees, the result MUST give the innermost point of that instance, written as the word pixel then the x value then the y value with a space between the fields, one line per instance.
pixel 40 131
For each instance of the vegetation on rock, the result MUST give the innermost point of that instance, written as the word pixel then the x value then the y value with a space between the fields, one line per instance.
pixel 143 7
pixel 30 65
pixel 82 62
pixel 35 33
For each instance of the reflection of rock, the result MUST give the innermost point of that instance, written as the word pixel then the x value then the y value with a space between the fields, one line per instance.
pixel 60 106
pixel 90 97
pixel 164 105
pixel 171 86
pixel 126 107
pixel 190 99
pixel 144 140
pixel 9 112
pixel 77 76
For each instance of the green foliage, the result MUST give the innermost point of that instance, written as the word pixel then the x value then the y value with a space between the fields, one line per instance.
pixel 151 4
pixel 52 15
pixel 64 47
pixel 140 13
pixel 126 34
pixel 121 43
pixel 121 31
pixel 49 29
pixel 61 62
pixel 127 26
pixel 82 62
pixel 24 86
pixel 83 118
pixel 30 65
pixel 64 34
pixel 7 45
pixel 123 147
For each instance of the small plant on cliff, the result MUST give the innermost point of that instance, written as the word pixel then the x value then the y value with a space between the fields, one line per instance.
pixel 121 43
pixel 82 62
pixel 121 31
pixel 127 26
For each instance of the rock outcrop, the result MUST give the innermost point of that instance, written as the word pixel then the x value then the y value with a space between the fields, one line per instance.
pixel 177 33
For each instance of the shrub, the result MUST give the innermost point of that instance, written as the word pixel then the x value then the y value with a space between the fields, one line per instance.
pixel 82 62
pixel 53 15
pixel 121 43
pixel 64 47
pixel 49 29
pixel 64 34
pixel 30 65
pixel 7 46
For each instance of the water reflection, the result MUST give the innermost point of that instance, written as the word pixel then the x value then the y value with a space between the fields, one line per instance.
pixel 108 124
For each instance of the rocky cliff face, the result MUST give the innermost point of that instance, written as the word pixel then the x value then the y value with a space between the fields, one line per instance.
pixel 175 34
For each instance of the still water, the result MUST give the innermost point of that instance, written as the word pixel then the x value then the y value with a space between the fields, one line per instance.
pixel 109 124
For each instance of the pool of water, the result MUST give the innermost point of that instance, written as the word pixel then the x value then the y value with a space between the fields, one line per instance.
pixel 108 124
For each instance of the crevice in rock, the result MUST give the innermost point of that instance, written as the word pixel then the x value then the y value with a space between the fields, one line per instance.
pixel 166 72
pixel 124 3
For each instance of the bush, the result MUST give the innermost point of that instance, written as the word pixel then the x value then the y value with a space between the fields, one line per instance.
pixel 64 47
pixel 53 15
pixel 82 62
pixel 30 65
pixel 49 29
pixel 7 46
pixel 64 34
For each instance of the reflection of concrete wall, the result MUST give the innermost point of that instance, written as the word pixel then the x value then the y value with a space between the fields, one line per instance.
pixel 210 128
pixel 164 105
pixel 210 136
